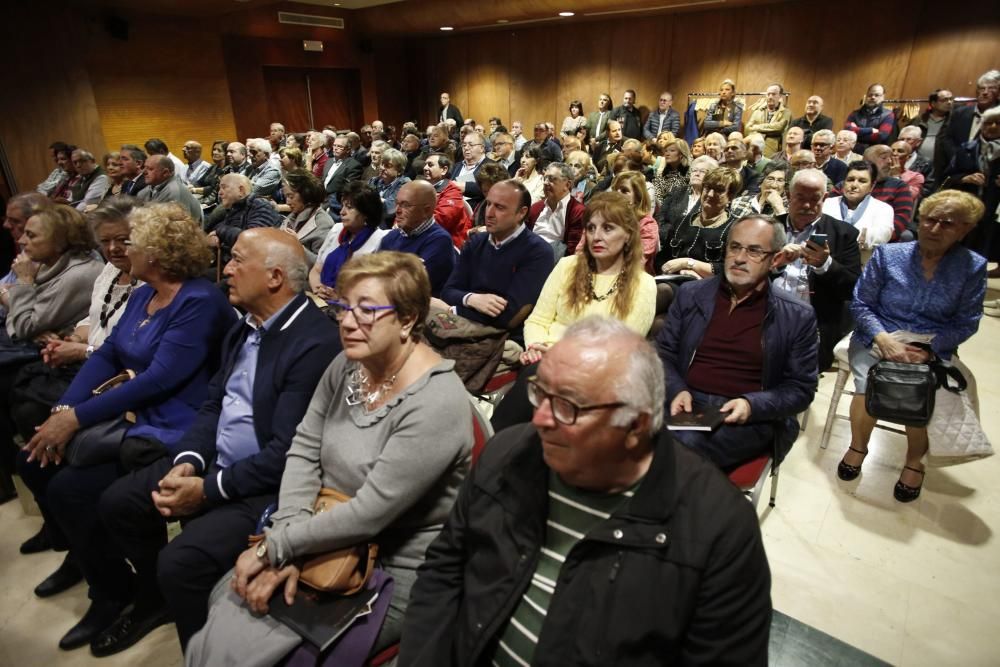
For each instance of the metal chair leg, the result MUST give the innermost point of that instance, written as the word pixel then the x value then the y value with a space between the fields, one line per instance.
pixel 774 484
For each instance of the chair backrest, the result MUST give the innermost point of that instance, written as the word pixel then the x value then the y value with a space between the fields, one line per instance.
pixel 482 431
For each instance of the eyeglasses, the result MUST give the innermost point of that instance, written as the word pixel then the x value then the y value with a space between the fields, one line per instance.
pixel 754 253
pixel 946 225
pixel 470 144
pixel 564 411
pixel 550 178
pixel 817 144
pixel 364 315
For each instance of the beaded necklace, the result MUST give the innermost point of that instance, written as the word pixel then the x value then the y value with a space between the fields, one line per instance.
pixel 107 310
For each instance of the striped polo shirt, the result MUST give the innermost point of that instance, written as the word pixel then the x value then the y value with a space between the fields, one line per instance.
pixel 572 514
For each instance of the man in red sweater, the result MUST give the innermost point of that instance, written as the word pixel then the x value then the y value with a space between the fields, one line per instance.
pixel 450 211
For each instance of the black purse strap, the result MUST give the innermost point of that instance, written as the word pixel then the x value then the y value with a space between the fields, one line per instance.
pixel 943 373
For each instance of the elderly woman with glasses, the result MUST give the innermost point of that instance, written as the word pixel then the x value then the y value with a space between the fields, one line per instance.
pixel 373 433
pixel 914 301
pixel 773 196
pixel 390 179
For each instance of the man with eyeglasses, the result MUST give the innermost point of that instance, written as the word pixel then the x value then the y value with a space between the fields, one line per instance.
pixel 822 150
pixel 503 151
pixel 230 462
pixel 663 119
pixel 93 183
pixel 558 217
pixel 417 232
pixel 821 261
pixel 464 172
pixel 933 125
pixel 911 134
pixel 590 532
pixel 739 343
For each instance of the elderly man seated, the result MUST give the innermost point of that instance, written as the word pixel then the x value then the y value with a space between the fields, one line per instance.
pixel 162 185
pixel 589 536
pixel 736 343
pixel 233 456
pixel 893 191
pixel 265 176
pixel 417 232
pixel 241 210
pixel 500 274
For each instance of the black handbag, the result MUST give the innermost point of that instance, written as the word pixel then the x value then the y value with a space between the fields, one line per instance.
pixel 904 393
pixel 101 442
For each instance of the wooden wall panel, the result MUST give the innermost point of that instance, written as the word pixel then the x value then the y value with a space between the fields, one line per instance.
pixel 48 94
pixel 175 91
pixel 792 43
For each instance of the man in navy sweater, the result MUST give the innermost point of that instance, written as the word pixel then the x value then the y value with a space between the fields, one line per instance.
pixel 500 274
pixel 417 232
pixel 234 454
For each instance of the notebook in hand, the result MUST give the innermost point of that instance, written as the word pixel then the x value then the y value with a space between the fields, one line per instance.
pixel 320 618
pixel 701 418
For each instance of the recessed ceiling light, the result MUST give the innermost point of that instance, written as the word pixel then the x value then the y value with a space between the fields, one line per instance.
pixel 446 27
pixel 501 20
pixel 566 13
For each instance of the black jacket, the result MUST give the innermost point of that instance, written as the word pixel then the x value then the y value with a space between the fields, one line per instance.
pixel 350 170
pixel 685 581
pixel 294 354
pixel 832 291
pixel 631 121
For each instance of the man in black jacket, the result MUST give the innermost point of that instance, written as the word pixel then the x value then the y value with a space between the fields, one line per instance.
pixel 820 273
pixel 593 508
pixel 234 455
pixel 628 115
pixel 241 210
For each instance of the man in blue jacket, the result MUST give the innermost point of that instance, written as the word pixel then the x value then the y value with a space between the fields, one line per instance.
pixel 736 343
pixel 234 454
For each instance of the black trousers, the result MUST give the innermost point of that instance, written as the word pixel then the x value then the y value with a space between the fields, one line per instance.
pixel 68 498
pixel 184 571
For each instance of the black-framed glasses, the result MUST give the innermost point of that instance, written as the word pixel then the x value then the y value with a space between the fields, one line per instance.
pixel 754 253
pixel 564 410
pixel 364 314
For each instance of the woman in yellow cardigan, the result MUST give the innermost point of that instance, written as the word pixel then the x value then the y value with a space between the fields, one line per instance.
pixel 606 278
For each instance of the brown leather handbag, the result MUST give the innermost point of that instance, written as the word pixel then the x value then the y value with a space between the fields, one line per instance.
pixel 344 571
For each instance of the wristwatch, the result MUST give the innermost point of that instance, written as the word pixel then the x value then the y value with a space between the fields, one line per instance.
pixel 690 263
pixel 90 351
pixel 262 550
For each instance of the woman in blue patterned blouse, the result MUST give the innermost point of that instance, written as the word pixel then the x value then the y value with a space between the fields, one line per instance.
pixel 930 287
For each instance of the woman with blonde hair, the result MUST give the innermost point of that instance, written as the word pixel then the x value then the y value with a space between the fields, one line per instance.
pixel 670 169
pixel 696 246
pixel 169 337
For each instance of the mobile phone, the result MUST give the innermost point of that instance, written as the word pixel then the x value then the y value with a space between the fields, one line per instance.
pixel 818 239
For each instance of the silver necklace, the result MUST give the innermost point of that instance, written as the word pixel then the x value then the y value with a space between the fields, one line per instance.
pixel 360 390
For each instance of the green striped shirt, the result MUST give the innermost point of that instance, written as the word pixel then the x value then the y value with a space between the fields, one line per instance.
pixel 572 514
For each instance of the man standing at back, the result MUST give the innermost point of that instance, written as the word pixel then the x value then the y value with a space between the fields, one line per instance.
pixel 873 123
pixel 628 115
pixel 449 110
pixel 664 119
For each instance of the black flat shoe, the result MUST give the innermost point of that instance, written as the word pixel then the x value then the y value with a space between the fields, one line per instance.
pixel 99 617
pixel 67 576
pixel 846 471
pixel 37 543
pixel 905 493
pixel 128 630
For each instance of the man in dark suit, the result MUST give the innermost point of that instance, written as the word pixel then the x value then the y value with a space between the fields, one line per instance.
pixel 449 110
pixel 558 218
pixel 822 274
pixel 465 170
pixel 340 170
pixel 963 124
pixel 234 454
pixel 611 145
pixel 132 158
pixel 628 115
pixel 597 121
pixel 822 149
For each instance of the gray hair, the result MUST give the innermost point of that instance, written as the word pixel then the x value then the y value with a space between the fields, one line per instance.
pixel 813 177
pixel 293 264
pixel 641 384
pixel 850 134
pixel 396 158
pixel 240 179
pixel 756 139
pixel 778 236
pixel 565 170
pixel 706 161
pixel 990 114
pixel 262 145
pixel 162 162
pixel 986 78
pixel 354 139
pixel 827 134
pixel 380 145
pixel 85 154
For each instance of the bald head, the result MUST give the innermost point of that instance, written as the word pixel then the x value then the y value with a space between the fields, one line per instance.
pixel 415 205
pixel 268 269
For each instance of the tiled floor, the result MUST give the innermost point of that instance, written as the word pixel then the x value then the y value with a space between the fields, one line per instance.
pixel 914 584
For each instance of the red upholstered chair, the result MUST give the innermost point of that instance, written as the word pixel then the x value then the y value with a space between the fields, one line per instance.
pixel 749 478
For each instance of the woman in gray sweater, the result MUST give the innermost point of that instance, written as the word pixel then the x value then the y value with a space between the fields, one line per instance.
pixel 389 425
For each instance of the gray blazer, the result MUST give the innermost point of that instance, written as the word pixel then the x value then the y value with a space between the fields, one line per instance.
pixel 173 190
pixel 313 232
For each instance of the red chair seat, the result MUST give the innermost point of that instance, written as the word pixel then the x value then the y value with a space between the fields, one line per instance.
pixel 746 476
pixel 499 381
